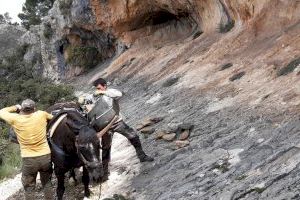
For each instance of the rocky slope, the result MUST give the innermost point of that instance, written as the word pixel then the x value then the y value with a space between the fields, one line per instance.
pixel 230 68
pixel 238 86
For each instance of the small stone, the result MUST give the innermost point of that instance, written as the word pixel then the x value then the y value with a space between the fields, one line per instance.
pixel 160 134
pixel 181 144
pixel 147 130
pixel 149 122
pixel 169 137
pixel 260 140
pixel 146 122
pixel 184 135
pixel 139 127
pixel 186 126
pixel 216 171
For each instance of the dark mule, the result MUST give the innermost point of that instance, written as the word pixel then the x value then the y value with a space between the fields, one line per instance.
pixel 74 144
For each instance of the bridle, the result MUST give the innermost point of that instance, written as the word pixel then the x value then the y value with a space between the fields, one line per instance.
pixel 90 164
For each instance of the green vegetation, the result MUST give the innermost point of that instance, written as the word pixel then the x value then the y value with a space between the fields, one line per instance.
pixel 289 67
pixel 222 166
pixel 48 31
pixel 33 11
pixel 241 177
pixel 6 19
pixel 64 6
pixel 10 157
pixel 83 56
pixel 18 82
pixel 259 190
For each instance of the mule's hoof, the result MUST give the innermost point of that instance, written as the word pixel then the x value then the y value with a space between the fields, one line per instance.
pixel 87 194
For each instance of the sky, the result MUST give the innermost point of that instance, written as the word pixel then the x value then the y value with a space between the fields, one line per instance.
pixel 13 7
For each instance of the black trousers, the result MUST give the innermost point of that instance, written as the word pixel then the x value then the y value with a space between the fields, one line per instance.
pixel 128 132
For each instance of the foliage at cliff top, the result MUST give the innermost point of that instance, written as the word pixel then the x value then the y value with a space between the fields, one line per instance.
pixel 33 11
pixel 6 19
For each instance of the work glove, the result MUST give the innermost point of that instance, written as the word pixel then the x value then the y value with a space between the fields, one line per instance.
pixel 19 107
pixel 99 92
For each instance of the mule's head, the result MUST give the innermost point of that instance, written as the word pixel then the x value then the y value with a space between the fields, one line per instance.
pixel 88 146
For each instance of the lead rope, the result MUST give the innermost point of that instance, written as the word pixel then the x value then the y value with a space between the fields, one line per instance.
pixel 100 191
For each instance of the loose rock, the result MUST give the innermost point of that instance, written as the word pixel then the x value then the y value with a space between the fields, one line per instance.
pixel 169 137
pixel 160 135
pixel 184 135
pixel 149 122
pixel 147 130
pixel 181 144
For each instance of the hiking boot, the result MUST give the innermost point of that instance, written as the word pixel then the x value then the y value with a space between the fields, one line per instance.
pixel 145 158
pixel 139 150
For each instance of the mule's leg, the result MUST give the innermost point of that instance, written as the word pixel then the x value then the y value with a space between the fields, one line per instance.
pixel 86 181
pixel 60 175
pixel 106 147
pixel 73 175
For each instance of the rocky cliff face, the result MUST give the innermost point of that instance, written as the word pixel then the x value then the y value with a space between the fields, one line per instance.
pixel 77 35
pixel 125 18
pixel 9 36
pixel 229 67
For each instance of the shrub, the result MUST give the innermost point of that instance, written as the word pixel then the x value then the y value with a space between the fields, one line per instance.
pixel 11 160
pixel 33 11
pixel 65 6
pixel 48 32
pixel 83 56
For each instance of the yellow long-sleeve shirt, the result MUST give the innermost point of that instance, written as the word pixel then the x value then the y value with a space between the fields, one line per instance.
pixel 30 130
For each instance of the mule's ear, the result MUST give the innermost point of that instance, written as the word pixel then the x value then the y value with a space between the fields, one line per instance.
pixel 73 125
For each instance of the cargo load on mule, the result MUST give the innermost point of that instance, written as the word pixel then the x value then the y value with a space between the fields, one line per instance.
pixel 103 112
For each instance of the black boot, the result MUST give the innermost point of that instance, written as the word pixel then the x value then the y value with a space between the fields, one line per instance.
pixel 139 150
pixel 106 173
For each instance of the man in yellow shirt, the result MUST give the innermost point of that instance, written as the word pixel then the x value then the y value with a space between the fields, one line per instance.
pixel 30 128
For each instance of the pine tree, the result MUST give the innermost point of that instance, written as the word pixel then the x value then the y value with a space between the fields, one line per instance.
pixel 5 19
pixel 34 11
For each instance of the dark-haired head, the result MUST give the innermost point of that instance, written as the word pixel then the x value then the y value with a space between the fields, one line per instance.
pixel 100 81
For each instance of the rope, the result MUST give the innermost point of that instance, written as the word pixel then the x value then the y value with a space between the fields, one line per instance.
pixel 100 191
pixel 55 125
pixel 104 130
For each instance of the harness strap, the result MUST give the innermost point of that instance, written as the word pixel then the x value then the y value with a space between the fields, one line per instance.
pixel 55 125
pixel 55 112
pixel 104 130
